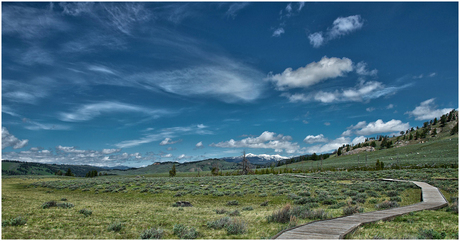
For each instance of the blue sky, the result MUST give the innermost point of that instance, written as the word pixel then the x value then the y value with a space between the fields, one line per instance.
pixel 130 84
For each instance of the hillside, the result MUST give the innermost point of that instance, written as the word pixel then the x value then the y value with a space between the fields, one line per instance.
pixel 164 167
pixel 31 168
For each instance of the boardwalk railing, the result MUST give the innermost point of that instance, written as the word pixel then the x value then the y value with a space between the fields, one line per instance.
pixel 337 228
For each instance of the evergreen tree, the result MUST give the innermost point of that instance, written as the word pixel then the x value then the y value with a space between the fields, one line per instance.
pixel 434 132
pixel 172 172
pixel 443 120
pixel 339 152
pixel 435 121
pixel 454 129
pixel 69 173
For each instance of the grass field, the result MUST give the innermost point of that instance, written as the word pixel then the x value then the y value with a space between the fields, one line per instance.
pixel 139 204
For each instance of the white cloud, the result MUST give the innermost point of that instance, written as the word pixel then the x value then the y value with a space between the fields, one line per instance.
pixel 347 133
pixel 168 141
pixel 359 139
pixel 90 111
pixel 101 69
pixel 110 151
pixel 362 92
pixel 427 111
pixel 361 69
pixel 370 109
pixel 235 8
pixel 362 128
pixel 316 39
pixel 310 139
pixel 278 32
pixel 331 146
pixel 312 73
pixel 432 74
pixel 267 140
pixel 224 79
pixel 340 27
pixel 390 106
pixel 199 145
pixel 10 140
pixel 166 133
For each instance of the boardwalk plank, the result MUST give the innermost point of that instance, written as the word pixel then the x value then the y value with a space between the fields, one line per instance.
pixel 337 228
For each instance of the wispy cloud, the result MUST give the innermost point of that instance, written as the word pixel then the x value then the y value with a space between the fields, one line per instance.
pixel 234 8
pixel 310 139
pixel 30 23
pixel 168 141
pixel 340 27
pixel 27 92
pixel 166 134
pixel 289 11
pixel 10 140
pixel 89 111
pixel 427 110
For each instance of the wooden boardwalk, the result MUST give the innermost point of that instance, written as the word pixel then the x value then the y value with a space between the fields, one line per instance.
pixel 337 228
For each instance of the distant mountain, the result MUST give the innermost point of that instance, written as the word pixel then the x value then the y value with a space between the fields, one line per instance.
pixel 262 159
pixel 117 168
pixel 10 167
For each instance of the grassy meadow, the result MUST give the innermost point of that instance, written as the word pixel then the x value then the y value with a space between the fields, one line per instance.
pixel 137 204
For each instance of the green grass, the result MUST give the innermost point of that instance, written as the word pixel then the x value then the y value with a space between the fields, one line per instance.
pixel 138 211
pixel 408 226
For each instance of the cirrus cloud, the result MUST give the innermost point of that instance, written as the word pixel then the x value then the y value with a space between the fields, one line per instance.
pixel 340 27
pixel 10 140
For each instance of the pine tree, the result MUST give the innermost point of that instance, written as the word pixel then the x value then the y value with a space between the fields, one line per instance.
pixel 69 173
pixel 454 129
pixel 172 172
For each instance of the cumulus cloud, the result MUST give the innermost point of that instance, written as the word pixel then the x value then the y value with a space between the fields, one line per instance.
pixel 10 140
pixel 267 140
pixel 199 145
pixel 361 69
pixel 340 27
pixel 72 155
pixel 312 73
pixel 278 32
pixel 359 139
pixel 427 110
pixel 310 139
pixel 364 128
pixel 328 147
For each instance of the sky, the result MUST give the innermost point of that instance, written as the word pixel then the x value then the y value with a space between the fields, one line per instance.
pixel 110 84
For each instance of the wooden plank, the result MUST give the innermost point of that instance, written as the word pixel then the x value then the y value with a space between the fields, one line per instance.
pixel 337 228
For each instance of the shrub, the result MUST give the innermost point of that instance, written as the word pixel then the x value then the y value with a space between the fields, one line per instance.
pixel 218 224
pixel 305 194
pixel 338 205
pixel 221 211
pixel 232 203
pixel 373 200
pixel 248 208
pixel 264 204
pixel 65 205
pixel 235 213
pixel 86 212
pixel 315 214
pixel 387 204
pixel 153 233
pixel 396 199
pixel 63 199
pixel 236 227
pixel 329 201
pixel 115 226
pixel 18 221
pixel 184 232
pixel 49 204
pixel 430 234
pixel 281 216
pixel 392 193
pixel 301 201
pixel 350 210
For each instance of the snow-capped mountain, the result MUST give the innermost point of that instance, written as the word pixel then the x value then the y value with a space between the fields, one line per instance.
pixel 261 159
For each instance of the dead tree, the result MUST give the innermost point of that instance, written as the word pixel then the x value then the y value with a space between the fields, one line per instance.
pixel 246 169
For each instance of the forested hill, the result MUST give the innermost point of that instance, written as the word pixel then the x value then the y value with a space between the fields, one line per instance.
pixel 31 168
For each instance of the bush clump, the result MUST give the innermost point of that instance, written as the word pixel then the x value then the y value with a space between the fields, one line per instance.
pixel 387 204
pixel 281 216
pixel 184 232
pixel 86 212
pixel 430 234
pixel 350 210
pixel 218 224
pixel 49 204
pixel 115 226
pixel 153 233
pixel 249 208
pixel 232 203
pixel 235 213
pixel 18 221
pixel 236 227
pixel 264 204
pixel 221 211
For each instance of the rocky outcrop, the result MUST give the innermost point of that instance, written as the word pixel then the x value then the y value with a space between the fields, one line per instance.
pixel 358 150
